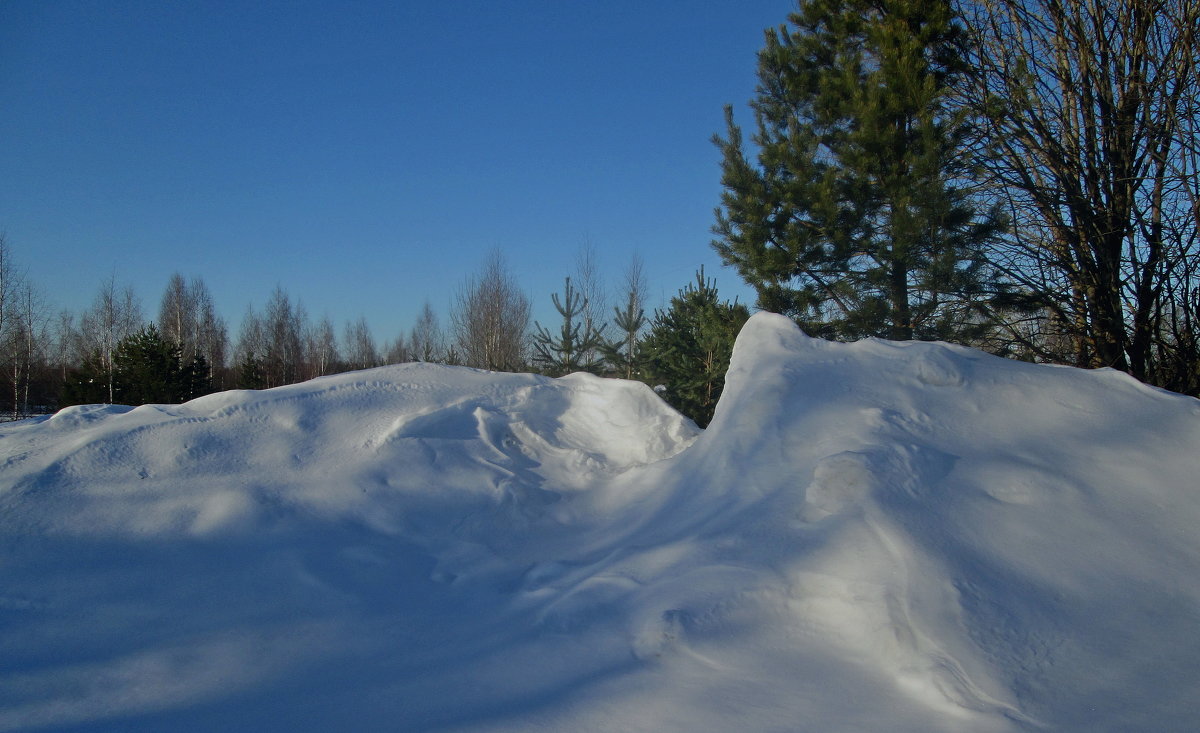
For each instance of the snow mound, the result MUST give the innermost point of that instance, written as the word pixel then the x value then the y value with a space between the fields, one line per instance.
pixel 346 447
pixel 868 536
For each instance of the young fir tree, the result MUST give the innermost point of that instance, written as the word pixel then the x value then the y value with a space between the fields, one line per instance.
pixel 856 220
pixel 577 342
pixel 147 369
pixel 689 345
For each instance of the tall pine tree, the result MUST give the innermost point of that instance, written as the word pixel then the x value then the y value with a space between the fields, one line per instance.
pixel 856 219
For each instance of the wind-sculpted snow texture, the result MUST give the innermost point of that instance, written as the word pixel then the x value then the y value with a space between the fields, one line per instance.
pixel 869 536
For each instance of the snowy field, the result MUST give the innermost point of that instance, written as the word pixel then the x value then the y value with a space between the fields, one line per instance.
pixel 869 537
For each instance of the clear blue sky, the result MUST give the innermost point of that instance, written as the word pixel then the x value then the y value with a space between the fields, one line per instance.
pixel 365 155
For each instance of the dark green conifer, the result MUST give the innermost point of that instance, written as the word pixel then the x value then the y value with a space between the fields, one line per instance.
pixel 195 378
pixel 86 385
pixel 856 219
pixel 250 373
pixel 147 370
pixel 689 345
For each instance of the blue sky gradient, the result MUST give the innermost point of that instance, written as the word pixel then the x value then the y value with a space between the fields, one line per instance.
pixel 366 156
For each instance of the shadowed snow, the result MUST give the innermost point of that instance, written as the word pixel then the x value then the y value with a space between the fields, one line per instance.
pixel 868 536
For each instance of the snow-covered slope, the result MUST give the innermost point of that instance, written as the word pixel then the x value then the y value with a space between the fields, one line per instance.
pixel 869 536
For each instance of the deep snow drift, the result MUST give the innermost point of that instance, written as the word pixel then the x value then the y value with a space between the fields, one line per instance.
pixel 869 536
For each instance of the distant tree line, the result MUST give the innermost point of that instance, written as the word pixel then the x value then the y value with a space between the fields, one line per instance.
pixel 111 353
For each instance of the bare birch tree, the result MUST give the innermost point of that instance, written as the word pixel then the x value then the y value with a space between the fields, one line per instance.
pixel 177 321
pixel 321 345
pixel 624 353
pixel 397 351
pixel 7 281
pixel 359 349
pixel 250 351
pixel 25 343
pixel 211 336
pixel 115 314
pixel 491 317
pixel 283 326
pixel 426 340
pixel 590 287
pixel 65 348
pixel 188 319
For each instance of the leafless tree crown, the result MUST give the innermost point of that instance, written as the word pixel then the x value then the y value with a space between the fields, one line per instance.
pixel 491 317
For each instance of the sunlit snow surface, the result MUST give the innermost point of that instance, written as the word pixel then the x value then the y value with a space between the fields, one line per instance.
pixel 869 537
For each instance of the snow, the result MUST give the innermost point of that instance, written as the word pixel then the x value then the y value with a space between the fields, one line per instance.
pixel 869 536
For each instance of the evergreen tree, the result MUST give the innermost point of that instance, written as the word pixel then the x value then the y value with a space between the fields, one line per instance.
pixel 578 338
pixel 689 346
pixel 857 220
pixel 250 372
pixel 147 369
pixel 195 378
pixel 87 384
